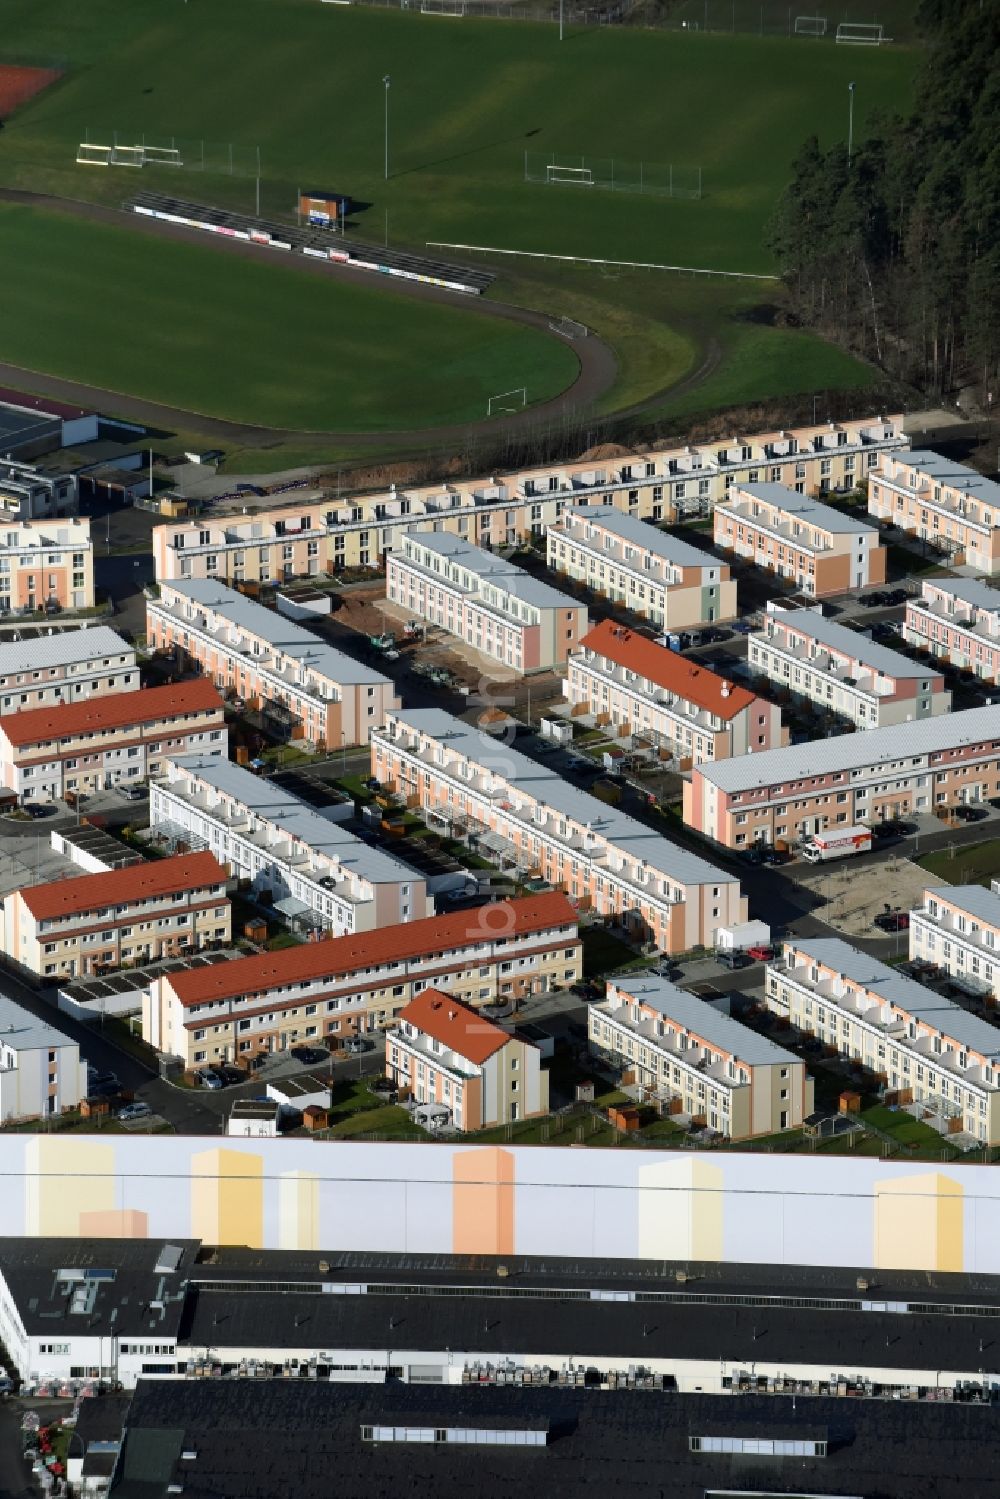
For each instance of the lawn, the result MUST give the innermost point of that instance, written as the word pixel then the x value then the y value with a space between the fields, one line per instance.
pixel 262 343
pixel 975 864
pixel 605 953
pixel 303 82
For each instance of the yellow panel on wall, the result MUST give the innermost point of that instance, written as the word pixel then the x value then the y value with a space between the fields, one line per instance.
pixel 298 1210
pixel 227 1197
pixel 680 1210
pixel 66 1178
pixel 919 1223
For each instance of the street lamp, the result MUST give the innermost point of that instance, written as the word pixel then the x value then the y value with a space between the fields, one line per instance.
pixel 850 122
pixel 387 80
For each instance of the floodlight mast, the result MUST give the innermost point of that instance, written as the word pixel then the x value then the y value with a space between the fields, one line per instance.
pixel 387 80
pixel 850 121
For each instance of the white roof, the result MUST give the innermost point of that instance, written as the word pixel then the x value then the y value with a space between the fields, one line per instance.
pixel 851 643
pixel 64 648
pixel 956 475
pixel 804 508
pixel 693 1014
pixel 489 568
pixel 970 590
pixel 22 1032
pixel 976 900
pixel 869 747
pixel 642 534
pixel 551 791
pixel 895 988
pixel 295 819
pixel 284 637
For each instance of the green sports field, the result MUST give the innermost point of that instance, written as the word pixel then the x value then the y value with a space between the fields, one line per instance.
pixel 303 81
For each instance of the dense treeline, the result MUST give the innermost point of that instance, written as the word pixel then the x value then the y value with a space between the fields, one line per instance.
pixel 897 252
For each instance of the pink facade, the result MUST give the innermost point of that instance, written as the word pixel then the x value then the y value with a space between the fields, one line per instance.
pixel 958 620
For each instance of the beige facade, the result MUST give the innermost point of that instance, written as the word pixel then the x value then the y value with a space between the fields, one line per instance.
pixel 309 692
pixel 924 1048
pixel 41 1070
pixel 461 1068
pixel 862 778
pixel 108 741
pixel 534 820
pixel 649 572
pixel 94 923
pixel 65 668
pixel 821 550
pixel 325 992
pixel 633 685
pixel 488 603
pixel 942 502
pixel 312 534
pixel 957 620
pixel 46 564
pixel 843 671
pixel 696 1064
pixel 957 928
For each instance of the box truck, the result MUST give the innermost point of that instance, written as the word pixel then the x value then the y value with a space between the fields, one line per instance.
pixel 837 843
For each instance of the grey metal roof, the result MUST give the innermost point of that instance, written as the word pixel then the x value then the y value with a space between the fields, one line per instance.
pixel 296 819
pixel 284 637
pixel 970 590
pixel 489 568
pixel 895 988
pixel 869 747
pixel 629 528
pixel 837 637
pixel 980 903
pixel 956 475
pixel 694 1014
pixel 550 790
pixel 22 1032
pixel 62 648
pixel 805 508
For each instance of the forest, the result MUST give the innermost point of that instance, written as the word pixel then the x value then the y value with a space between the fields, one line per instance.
pixel 895 252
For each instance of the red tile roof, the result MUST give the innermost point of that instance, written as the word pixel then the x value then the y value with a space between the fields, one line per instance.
pixel 691 681
pixel 457 1026
pixel 92 892
pixel 115 712
pixel 336 957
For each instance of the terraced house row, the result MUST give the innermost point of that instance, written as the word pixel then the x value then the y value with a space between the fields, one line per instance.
pixel 819 549
pixel 661 577
pixel 483 600
pixel 97 922
pixel 317 873
pixel 107 741
pixel 957 620
pixel 925 1047
pixel 65 668
pixel 820 661
pixel 334 989
pixel 867 777
pixel 306 689
pixel 314 534
pixel 635 686
pixel 942 502
pixel 485 790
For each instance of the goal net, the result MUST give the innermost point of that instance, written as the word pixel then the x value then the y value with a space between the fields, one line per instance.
pixel 508 400
pixel 810 25
pixel 442 7
pixel 860 35
pixel 88 155
pixel 582 175
pixel 127 156
pixel 162 156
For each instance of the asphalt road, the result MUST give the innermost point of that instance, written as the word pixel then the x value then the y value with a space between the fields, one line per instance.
pixel 16 1479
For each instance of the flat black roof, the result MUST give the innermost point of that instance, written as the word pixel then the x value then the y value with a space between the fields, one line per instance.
pixel 96 1287
pixel 262 1439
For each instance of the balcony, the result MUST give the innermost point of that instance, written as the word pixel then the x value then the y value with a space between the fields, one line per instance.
pixel 980 624
pixel 420 1048
pixel 784 531
pixel 645 1033
pixel 837 669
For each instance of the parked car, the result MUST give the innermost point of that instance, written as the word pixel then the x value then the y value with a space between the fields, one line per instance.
pixel 310 1055
pixel 98 1079
pixel 761 952
pixel 134 793
pixel 731 957
pixel 967 813
pixel 873 600
pixel 206 1078
pixel 357 1044
pixel 104 1090
pixel 715 635
pixel 372 783
pixel 742 627
pixel 898 596
pixel 133 1111
pixel 38 809
pixel 893 921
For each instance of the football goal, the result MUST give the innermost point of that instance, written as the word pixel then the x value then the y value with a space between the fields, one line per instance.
pixel 810 25
pixel 93 155
pixel 508 400
pixel 127 156
pixel 162 156
pixel 568 327
pixel 442 7
pixel 860 35
pixel 582 176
